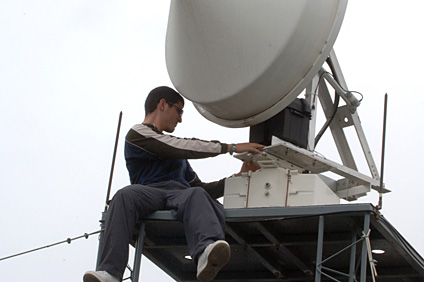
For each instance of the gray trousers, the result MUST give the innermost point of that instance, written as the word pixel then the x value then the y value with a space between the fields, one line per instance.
pixel 202 216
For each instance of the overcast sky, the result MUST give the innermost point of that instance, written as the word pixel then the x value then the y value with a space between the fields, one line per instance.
pixel 67 68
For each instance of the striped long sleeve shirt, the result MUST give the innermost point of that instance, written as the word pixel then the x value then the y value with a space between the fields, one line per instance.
pixel 153 157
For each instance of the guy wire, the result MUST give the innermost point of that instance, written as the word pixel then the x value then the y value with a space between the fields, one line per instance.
pixel 69 241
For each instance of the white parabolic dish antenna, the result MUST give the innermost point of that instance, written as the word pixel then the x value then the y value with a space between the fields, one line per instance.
pixel 242 61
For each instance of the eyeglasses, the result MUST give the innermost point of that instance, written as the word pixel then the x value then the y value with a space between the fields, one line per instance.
pixel 179 110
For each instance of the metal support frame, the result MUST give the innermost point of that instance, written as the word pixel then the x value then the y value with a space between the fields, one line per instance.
pixel 364 251
pixel 284 250
pixel 275 269
pixel 346 116
pixel 320 268
pixel 352 265
pixel 138 252
pixel 339 137
pixel 100 248
pixel 357 123
pixel 320 243
pixel 311 96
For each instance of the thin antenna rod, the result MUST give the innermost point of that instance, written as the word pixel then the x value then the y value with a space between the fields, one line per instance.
pixel 113 162
pixel 383 149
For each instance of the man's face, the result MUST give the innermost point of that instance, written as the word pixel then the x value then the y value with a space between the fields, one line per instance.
pixel 173 115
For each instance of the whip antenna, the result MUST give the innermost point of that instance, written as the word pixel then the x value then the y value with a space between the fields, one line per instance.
pixel 103 220
pixel 383 147
pixel 113 162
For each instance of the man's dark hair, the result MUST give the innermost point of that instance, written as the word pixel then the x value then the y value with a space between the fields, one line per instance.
pixel 163 92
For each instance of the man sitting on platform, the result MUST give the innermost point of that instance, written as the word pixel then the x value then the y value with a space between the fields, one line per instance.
pixel 162 179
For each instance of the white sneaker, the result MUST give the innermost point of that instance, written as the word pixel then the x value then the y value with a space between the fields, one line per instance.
pixel 213 258
pixel 99 276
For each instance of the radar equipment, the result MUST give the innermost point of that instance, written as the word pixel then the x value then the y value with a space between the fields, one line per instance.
pixel 305 161
pixel 243 62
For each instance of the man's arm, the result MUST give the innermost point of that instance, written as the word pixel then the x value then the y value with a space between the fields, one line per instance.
pixel 215 189
pixel 171 147
pixel 167 146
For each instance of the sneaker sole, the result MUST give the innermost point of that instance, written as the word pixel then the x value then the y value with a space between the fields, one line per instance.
pixel 90 278
pixel 217 258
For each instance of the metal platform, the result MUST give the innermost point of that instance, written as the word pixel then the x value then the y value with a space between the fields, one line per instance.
pixel 312 243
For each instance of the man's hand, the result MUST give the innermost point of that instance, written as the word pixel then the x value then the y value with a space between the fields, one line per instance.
pixel 246 147
pixel 247 167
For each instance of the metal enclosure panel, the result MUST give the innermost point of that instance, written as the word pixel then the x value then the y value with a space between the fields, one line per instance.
pixel 268 188
pixel 235 193
pixel 309 189
pixel 277 187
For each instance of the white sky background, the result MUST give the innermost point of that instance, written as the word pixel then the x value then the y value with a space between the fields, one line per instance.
pixel 67 68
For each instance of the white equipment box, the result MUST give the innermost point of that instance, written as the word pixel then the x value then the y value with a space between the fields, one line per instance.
pixel 276 187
